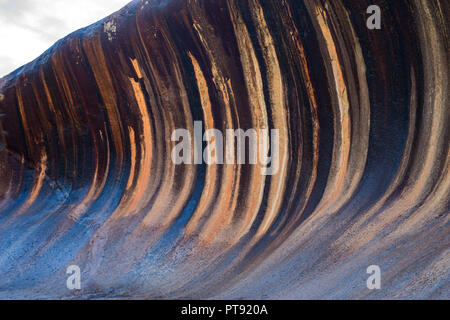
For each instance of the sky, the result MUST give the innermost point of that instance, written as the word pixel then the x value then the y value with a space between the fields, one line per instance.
pixel 29 27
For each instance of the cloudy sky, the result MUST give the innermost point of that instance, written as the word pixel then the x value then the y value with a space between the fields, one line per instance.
pixel 29 27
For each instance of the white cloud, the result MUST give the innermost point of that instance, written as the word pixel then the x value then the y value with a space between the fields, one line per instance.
pixel 29 27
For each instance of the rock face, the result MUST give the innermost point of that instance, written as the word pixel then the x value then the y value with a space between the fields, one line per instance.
pixel 87 176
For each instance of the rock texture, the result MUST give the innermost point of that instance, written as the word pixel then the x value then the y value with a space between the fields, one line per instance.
pixel 87 177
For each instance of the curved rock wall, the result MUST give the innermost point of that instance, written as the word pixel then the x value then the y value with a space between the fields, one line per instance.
pixel 87 177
